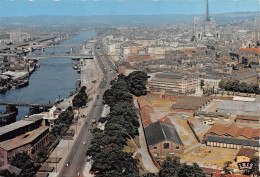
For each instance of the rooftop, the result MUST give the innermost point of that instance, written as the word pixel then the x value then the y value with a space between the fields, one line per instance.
pixel 247 152
pixel 234 131
pixel 14 126
pixel 160 131
pixel 233 141
pixel 239 107
pixel 23 139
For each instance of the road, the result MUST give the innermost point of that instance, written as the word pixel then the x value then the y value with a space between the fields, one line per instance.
pixel 77 155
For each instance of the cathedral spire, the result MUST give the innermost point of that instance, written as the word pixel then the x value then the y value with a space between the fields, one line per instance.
pixel 207 12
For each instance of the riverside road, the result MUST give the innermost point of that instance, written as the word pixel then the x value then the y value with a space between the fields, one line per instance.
pixel 77 155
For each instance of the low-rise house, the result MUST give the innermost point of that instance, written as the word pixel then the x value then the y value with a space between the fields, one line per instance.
pixel 245 155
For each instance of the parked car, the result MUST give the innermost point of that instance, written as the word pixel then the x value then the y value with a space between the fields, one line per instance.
pixel 209 122
pixel 67 163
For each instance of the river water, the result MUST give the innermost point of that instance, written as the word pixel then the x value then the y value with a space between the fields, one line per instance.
pixel 55 78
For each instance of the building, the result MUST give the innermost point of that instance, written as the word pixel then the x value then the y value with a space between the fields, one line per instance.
pixel 209 32
pixel 247 119
pixel 245 155
pixel 239 107
pixel 31 142
pixel 18 128
pixel 138 57
pixel 173 82
pixel 211 115
pixel 190 103
pixel 144 103
pixel 163 139
pixel 232 137
pixel 11 169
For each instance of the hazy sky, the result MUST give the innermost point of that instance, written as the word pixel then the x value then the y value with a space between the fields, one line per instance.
pixel 121 7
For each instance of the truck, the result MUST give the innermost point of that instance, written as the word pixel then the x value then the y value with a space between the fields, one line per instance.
pixel 94 120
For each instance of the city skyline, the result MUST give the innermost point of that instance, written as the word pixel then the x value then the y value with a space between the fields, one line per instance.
pixel 122 7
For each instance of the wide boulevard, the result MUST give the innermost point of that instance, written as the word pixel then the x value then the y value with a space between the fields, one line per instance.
pixel 77 155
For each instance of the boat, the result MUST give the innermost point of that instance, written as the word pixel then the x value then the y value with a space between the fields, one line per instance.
pixel 57 101
pixel 75 67
pixel 3 89
pixel 22 84
pixel 78 70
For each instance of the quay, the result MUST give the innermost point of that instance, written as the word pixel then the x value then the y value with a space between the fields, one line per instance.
pixel 27 104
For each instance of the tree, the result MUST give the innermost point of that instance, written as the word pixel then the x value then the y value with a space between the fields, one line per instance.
pixel 221 84
pixel 136 83
pixel 191 171
pixel 80 98
pixel 202 83
pixel 255 169
pixel 23 161
pixel 150 175
pixel 170 167
pixel 227 168
pixel 6 173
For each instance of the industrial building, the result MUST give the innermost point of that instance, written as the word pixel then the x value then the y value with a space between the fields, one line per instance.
pixel 163 139
pixel 31 142
pixel 232 137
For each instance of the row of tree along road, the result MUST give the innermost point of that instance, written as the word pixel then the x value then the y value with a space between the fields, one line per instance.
pixel 106 148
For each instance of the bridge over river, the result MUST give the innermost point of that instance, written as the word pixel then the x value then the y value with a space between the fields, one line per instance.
pixel 73 56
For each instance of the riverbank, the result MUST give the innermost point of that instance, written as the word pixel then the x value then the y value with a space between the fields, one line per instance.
pixel 90 76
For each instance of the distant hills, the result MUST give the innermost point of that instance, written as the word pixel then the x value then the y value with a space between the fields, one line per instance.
pixel 133 20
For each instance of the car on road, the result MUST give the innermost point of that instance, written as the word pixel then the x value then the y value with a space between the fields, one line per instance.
pixel 67 163
pixel 97 96
pixel 84 142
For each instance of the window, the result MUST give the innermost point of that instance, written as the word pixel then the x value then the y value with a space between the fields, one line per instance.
pixel 166 146
pixel 177 147
pixel 155 147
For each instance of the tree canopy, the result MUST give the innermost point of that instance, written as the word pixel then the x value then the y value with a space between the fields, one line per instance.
pixel 172 167
pixel 136 83
pixel 237 86
pixel 80 98
pixel 23 161
pixel 122 123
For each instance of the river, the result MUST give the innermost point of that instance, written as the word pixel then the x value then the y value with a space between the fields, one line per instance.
pixel 55 78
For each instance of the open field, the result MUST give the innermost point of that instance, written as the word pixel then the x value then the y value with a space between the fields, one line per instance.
pixel 210 155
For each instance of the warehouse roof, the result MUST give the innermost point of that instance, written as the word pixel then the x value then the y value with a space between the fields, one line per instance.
pixel 23 139
pixel 234 131
pixel 160 131
pixel 239 107
pixel 232 141
pixel 14 126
